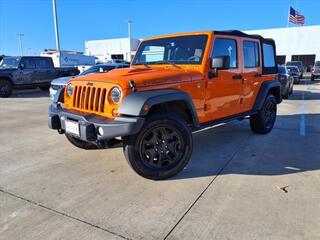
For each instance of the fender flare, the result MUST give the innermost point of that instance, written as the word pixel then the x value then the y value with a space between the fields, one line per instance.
pixel 9 78
pixel 133 104
pixel 263 92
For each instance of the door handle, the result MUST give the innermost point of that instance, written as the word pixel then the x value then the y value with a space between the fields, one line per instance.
pixel 237 76
pixel 257 75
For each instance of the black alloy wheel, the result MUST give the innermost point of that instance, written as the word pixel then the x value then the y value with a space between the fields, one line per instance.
pixel 161 146
pixel 5 88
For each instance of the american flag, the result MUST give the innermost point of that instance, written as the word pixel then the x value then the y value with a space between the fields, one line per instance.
pixel 295 17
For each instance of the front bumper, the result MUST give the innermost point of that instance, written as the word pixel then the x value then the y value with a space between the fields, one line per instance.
pixel 89 124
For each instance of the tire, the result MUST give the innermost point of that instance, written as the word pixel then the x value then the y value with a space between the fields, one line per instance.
pixel 44 88
pixel 263 121
pixel 5 88
pixel 79 143
pixel 161 149
pixel 286 95
pixel 291 89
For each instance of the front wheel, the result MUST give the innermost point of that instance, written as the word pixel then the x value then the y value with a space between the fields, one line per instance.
pixel 161 149
pixel 264 120
pixel 5 88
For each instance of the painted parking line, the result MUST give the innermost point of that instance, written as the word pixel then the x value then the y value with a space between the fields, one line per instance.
pixel 302 117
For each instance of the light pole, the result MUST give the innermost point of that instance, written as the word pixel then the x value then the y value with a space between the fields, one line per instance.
pixel 20 35
pixel 55 18
pixel 129 36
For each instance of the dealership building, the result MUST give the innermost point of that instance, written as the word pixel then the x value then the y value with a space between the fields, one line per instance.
pixel 293 44
pixel 107 49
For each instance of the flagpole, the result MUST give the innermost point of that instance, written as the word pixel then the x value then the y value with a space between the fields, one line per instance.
pixel 288 16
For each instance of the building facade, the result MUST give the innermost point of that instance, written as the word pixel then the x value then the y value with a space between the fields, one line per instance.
pixel 107 49
pixel 294 43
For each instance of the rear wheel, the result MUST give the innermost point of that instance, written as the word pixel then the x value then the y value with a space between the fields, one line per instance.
pixel 264 120
pixel 161 149
pixel 79 143
pixel 5 88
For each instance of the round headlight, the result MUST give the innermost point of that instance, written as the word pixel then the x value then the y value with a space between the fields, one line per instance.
pixel 115 95
pixel 69 90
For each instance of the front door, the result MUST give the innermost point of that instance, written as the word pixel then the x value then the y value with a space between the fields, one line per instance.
pixel 28 72
pixel 223 93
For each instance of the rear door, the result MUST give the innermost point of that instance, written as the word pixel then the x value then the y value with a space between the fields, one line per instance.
pixel 46 71
pixel 252 72
pixel 223 92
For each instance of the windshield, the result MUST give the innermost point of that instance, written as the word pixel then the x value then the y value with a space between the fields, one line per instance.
pixel 317 64
pixel 10 62
pixel 298 64
pixel 172 50
pixel 282 70
pixel 293 69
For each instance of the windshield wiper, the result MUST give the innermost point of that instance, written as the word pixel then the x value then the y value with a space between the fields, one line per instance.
pixel 142 63
pixel 167 62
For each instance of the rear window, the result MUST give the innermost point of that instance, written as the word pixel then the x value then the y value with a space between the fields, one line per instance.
pixel 43 63
pixel 251 54
pixel 268 55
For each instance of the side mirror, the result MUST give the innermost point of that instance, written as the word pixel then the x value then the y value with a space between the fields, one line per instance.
pixel 22 66
pixel 222 62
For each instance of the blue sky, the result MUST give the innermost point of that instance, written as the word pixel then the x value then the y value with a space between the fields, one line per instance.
pixel 81 20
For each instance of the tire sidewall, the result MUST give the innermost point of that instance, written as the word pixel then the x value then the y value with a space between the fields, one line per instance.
pixel 9 84
pixel 132 147
pixel 268 99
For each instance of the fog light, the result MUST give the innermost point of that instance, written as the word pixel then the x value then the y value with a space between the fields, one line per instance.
pixel 100 131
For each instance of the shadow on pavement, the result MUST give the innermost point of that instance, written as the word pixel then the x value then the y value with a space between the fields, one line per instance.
pixel 306 95
pixel 283 151
pixel 30 93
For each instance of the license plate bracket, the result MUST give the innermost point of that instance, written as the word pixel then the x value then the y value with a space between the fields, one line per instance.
pixel 72 127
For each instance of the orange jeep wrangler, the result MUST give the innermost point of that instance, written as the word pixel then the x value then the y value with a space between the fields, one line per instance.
pixel 176 84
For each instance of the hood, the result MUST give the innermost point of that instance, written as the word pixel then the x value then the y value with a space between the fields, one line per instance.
pixel 61 81
pixel 143 76
pixel 5 70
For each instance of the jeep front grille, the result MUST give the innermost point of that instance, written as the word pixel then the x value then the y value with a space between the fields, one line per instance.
pixel 86 98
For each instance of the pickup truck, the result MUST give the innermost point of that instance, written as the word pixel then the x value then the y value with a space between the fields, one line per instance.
pixel 176 84
pixel 29 72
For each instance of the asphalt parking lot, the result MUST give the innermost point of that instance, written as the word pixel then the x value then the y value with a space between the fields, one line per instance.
pixel 238 185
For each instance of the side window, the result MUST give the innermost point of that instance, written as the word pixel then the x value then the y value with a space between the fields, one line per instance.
pixel 226 47
pixel 268 55
pixel 29 63
pixel 43 63
pixel 251 54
